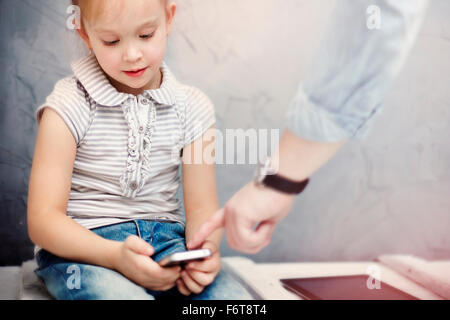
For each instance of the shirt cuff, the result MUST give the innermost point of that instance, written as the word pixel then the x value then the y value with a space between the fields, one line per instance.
pixel 312 121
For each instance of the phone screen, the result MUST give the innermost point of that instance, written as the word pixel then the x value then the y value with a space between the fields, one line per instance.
pixel 343 288
pixel 181 258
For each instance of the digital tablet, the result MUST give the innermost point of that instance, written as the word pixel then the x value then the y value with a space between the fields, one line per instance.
pixel 354 287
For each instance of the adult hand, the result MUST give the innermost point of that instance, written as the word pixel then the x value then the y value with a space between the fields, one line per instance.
pixel 249 218
pixel 252 214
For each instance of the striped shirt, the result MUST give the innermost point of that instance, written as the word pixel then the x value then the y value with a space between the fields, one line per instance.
pixel 128 147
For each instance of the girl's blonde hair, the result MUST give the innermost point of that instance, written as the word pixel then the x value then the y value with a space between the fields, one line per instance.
pixel 91 9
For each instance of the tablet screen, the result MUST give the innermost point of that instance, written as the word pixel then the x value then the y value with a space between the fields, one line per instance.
pixel 343 288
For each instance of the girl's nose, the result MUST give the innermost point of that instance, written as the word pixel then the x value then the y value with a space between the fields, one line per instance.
pixel 132 53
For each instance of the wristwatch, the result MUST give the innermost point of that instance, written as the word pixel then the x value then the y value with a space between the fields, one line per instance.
pixel 265 175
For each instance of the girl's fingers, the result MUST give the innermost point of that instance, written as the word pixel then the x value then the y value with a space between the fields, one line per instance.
pixel 138 245
pixel 201 278
pixel 182 288
pixel 211 264
pixel 190 283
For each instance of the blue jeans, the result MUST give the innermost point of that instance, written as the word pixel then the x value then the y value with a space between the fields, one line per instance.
pixel 71 280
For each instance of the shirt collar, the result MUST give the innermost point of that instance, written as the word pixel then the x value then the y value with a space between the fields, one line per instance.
pixel 88 71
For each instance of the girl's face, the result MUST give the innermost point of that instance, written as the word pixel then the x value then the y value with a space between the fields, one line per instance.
pixel 130 36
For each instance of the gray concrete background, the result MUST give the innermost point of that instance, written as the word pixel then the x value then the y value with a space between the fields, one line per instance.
pixel 387 194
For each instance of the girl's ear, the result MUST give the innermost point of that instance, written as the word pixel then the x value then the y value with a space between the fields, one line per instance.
pixel 170 13
pixel 84 36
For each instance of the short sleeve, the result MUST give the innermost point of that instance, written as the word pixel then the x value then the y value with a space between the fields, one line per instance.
pixel 70 103
pixel 200 115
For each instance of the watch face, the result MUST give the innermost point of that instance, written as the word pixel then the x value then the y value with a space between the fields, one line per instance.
pixel 259 173
pixel 262 170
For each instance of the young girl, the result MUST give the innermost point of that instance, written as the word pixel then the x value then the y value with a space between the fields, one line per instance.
pixel 102 202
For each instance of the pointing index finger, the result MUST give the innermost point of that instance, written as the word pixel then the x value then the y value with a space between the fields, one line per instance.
pixel 216 221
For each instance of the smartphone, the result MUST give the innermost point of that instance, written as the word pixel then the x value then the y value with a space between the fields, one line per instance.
pixel 181 258
pixel 352 287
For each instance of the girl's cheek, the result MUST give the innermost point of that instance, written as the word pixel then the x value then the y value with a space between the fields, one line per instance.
pixel 156 53
pixel 158 45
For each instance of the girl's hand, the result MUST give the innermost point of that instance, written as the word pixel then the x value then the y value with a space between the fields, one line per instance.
pixel 199 274
pixel 134 262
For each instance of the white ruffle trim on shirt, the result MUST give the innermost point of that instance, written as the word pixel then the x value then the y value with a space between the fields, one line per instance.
pixel 139 146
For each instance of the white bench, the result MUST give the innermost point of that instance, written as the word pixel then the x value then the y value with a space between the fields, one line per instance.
pixel 264 278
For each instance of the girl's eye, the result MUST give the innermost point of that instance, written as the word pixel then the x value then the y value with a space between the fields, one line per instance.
pixel 110 43
pixel 147 36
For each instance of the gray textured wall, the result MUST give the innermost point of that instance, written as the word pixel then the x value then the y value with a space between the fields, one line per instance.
pixel 388 194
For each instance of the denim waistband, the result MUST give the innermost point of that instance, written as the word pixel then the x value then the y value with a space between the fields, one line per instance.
pixel 144 229
pixel 165 236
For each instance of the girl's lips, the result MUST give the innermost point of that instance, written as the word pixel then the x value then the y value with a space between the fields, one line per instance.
pixel 137 73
